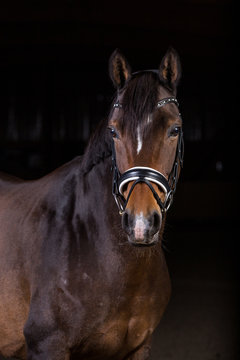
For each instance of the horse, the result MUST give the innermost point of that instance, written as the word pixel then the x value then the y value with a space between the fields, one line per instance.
pixel 82 270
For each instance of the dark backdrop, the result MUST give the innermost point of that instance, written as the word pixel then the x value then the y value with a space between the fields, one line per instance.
pixel 54 89
pixel 54 84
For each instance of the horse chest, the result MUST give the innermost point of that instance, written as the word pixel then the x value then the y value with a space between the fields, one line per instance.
pixel 121 324
pixel 120 335
pixel 115 323
pixel 120 315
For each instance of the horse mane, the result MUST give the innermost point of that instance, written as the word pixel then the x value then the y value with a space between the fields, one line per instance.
pixel 98 148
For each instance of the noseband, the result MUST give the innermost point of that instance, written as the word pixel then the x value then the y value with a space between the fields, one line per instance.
pixel 146 175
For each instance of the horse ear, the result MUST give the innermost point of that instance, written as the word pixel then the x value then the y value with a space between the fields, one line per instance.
pixel 170 69
pixel 119 69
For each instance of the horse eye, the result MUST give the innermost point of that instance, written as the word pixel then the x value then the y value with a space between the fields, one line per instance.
pixel 174 131
pixel 113 132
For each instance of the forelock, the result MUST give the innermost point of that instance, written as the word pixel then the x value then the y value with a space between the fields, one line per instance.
pixel 139 100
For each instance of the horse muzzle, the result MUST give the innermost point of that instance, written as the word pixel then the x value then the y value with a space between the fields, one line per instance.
pixel 142 230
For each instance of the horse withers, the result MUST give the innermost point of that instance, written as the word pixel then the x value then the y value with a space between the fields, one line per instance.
pixel 82 271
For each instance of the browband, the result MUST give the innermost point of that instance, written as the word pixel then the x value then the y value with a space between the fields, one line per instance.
pixel 160 103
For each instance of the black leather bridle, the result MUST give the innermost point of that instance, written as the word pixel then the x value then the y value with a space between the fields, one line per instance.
pixel 146 175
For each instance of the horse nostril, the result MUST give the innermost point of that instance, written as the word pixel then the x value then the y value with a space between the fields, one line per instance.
pixel 156 223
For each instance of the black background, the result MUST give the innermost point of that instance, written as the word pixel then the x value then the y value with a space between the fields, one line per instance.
pixel 54 84
pixel 54 89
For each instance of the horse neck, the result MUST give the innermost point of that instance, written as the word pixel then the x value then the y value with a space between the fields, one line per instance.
pixel 77 193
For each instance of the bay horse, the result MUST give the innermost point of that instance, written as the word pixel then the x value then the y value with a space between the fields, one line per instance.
pixel 83 277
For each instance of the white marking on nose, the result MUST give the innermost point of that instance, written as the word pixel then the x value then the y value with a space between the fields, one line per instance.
pixel 140 226
pixel 139 140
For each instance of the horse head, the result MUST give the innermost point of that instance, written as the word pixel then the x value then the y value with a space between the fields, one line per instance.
pixel 146 129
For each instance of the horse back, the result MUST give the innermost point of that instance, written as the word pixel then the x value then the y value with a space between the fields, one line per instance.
pixel 6 179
